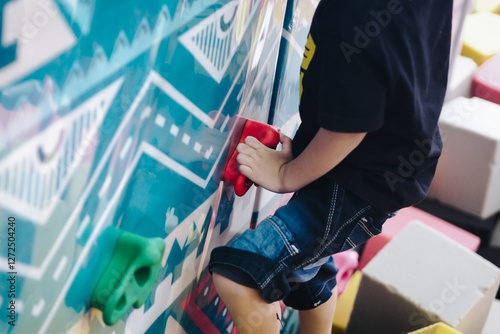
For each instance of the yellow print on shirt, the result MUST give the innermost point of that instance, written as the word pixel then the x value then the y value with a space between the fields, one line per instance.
pixel 308 55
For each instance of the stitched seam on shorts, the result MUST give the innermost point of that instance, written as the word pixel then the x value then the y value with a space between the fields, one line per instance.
pixel 289 248
pixel 363 226
pixel 282 236
pixel 271 276
pixel 330 214
pixel 335 236
pixel 323 287
pixel 349 241
pixel 330 217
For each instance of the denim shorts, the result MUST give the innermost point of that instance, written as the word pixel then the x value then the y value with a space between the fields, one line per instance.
pixel 288 256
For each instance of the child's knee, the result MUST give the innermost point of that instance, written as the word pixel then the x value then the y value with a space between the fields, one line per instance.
pixel 218 281
pixel 227 288
pixel 224 285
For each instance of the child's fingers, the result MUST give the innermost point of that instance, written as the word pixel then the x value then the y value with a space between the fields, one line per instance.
pixel 244 159
pixel 253 142
pixel 244 149
pixel 245 170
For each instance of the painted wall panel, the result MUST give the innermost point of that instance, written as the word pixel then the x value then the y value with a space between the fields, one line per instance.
pixel 285 108
pixel 119 114
pixel 284 111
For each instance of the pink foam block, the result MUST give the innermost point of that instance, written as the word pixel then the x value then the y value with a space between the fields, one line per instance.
pixel 486 82
pixel 346 262
pixel 394 225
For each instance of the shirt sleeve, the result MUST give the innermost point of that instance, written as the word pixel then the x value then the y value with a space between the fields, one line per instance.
pixel 353 84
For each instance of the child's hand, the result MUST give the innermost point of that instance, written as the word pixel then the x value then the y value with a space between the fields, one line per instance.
pixel 263 165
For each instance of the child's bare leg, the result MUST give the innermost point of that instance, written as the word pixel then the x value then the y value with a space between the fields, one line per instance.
pixel 250 313
pixel 319 320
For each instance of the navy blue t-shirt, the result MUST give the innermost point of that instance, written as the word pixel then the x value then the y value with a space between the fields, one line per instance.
pixel 380 67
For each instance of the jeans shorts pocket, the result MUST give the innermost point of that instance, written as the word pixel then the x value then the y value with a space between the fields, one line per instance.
pixel 271 239
pixel 365 228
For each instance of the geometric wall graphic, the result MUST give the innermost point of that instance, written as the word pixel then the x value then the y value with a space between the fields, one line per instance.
pixel 213 41
pixel 33 177
pixel 122 120
pixel 28 24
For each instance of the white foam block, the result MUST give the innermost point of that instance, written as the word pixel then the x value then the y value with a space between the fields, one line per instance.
pixel 422 277
pixel 461 78
pixel 492 325
pixel 468 172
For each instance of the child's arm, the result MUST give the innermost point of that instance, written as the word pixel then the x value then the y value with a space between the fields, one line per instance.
pixel 277 171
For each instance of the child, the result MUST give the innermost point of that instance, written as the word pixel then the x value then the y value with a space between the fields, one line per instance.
pixel 373 79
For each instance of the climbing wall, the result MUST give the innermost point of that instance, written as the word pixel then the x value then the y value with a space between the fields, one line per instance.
pixel 118 115
pixel 284 111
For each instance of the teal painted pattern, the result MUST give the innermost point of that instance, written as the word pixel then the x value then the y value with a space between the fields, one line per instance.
pixel 119 114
